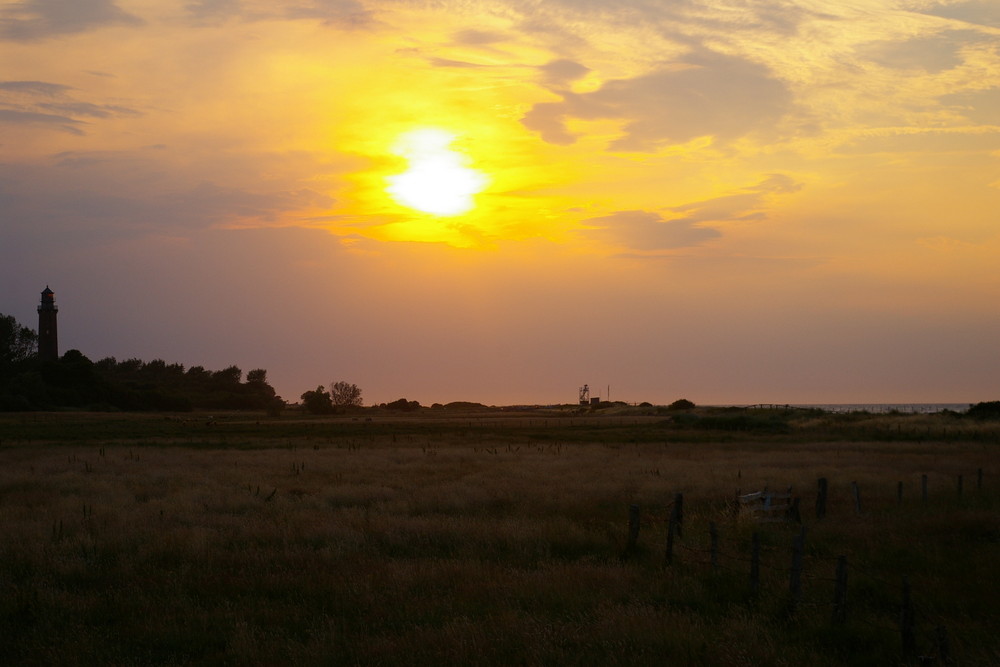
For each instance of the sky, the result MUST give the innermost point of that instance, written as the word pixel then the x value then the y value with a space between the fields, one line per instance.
pixel 729 201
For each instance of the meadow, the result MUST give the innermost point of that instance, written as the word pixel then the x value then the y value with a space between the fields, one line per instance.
pixel 493 539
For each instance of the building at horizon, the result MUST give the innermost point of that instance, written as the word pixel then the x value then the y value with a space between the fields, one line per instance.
pixel 48 336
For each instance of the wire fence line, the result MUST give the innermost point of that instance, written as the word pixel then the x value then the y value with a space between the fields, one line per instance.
pixel 844 584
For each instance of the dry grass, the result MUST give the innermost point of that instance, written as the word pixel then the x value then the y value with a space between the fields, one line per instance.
pixel 132 541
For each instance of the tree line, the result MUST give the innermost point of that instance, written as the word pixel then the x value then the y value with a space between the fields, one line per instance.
pixel 74 381
pixel 342 395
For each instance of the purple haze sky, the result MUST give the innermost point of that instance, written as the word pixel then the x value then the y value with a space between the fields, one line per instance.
pixel 730 202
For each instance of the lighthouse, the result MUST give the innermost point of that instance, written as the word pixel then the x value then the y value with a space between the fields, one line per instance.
pixel 48 339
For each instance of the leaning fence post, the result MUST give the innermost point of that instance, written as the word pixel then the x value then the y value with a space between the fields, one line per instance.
pixel 906 623
pixel 795 579
pixel 755 565
pixel 821 498
pixel 840 592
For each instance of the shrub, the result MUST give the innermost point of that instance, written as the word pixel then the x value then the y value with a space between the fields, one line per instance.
pixel 317 402
pixel 403 405
pixel 986 410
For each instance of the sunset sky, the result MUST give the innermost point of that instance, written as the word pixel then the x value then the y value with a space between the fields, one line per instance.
pixel 729 201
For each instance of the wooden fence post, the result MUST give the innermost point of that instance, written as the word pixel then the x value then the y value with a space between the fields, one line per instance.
pixel 857 497
pixel 678 511
pixel 840 592
pixel 793 510
pixel 713 534
pixel 795 579
pixel 821 498
pixel 899 493
pixel 943 647
pixel 671 530
pixel 979 479
pixel 923 487
pixel 633 531
pixel 906 624
pixel 960 486
pixel 754 566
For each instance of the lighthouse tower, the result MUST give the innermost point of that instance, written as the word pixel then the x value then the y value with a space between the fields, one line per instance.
pixel 48 339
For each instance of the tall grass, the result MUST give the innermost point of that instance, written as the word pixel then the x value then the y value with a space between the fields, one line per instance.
pixel 139 540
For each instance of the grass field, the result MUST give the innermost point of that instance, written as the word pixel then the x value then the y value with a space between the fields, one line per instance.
pixel 490 539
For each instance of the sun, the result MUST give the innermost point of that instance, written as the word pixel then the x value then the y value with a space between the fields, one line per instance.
pixel 438 180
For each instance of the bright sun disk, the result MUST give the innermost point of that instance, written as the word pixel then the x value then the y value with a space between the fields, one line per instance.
pixel 438 180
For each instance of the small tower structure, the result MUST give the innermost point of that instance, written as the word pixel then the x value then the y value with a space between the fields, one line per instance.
pixel 585 395
pixel 48 338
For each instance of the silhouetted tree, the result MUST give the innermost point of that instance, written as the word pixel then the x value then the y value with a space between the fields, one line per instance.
pixel 17 343
pixel 227 378
pixel 199 375
pixel 345 395
pixel 257 376
pixel 26 383
pixel 261 394
pixel 317 402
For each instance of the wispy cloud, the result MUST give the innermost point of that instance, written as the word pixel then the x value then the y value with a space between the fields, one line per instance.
pixel 447 62
pixel 646 230
pixel 649 231
pixel 562 72
pixel 88 109
pixel 35 87
pixel 704 94
pixel 130 194
pixel 16 117
pixel 333 13
pixel 41 19
pixel 932 53
pixel 42 103
pixel 342 13
pixel 978 12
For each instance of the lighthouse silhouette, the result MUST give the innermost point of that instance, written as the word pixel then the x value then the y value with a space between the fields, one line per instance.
pixel 48 338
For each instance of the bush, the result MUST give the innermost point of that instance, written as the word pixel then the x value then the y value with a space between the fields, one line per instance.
pixel 986 410
pixel 317 402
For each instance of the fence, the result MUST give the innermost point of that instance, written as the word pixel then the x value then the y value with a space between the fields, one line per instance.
pixel 922 635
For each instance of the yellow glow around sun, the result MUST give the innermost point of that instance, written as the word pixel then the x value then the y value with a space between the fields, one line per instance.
pixel 438 180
